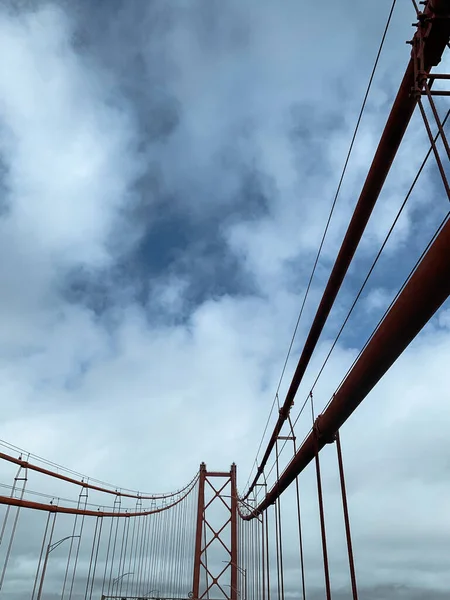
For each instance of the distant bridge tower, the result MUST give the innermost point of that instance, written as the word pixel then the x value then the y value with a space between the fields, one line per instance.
pixel 216 555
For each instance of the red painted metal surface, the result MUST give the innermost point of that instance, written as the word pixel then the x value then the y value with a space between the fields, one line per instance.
pixel 68 510
pixel 427 289
pixel 225 535
pixel 234 540
pixel 437 36
pixel 199 531
pixel 85 484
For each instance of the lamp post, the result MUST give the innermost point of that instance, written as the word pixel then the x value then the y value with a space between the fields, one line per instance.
pixel 233 588
pixel 117 579
pixel 147 595
pixel 50 548
pixel 243 572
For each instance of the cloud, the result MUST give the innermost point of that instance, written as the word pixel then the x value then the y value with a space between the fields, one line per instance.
pixel 66 192
pixel 166 175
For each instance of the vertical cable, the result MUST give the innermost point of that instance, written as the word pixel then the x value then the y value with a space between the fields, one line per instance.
pixel 8 508
pixel 277 552
pixel 154 558
pixel 346 518
pixel 321 510
pixel 14 527
pixel 280 537
pixel 179 545
pixel 141 556
pixel 82 495
pixel 96 557
pixel 78 543
pixel 162 550
pixel 44 568
pixel 435 150
pixel 149 520
pixel 266 513
pixel 143 576
pixel 263 561
pixel 260 561
pixel 126 534
pixel 91 560
pixel 300 537
pixel 117 504
pixel 107 553
pixel 437 119
pixel 130 578
pixel 121 559
pixel 41 554
pixel 70 552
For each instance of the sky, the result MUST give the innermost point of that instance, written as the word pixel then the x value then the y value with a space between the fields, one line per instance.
pixel 166 171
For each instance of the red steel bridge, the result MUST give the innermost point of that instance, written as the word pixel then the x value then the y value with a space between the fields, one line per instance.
pixel 210 539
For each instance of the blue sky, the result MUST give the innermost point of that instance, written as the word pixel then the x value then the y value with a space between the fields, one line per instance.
pixel 167 170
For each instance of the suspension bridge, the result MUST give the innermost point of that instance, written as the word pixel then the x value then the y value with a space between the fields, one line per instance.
pixel 213 539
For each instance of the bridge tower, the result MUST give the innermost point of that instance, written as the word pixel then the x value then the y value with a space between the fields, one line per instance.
pixel 216 556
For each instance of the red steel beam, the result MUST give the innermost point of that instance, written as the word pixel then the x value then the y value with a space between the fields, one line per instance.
pixel 234 536
pixel 199 531
pixel 68 510
pixel 425 292
pixel 85 484
pixel 437 33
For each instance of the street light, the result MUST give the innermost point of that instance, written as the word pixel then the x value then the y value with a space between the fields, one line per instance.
pixel 243 572
pixel 50 548
pixel 233 588
pixel 147 595
pixel 117 579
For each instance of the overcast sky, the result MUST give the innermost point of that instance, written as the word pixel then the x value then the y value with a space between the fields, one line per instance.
pixel 166 169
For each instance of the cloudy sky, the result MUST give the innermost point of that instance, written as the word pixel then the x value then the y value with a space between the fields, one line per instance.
pixel 166 173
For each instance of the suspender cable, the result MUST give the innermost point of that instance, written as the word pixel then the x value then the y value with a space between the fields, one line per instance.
pixel 266 515
pixel 96 557
pixel 144 573
pixel 435 150
pixel 321 510
pixel 132 570
pixel 263 558
pixel 140 555
pixel 123 552
pixel 422 295
pixel 8 509
pixel 277 547
pixel 81 498
pixel 78 543
pixel 23 479
pixel 280 536
pixel 116 533
pixel 366 279
pixel 44 568
pixel 322 241
pixel 397 123
pixel 93 559
pixel 346 518
pixel 44 539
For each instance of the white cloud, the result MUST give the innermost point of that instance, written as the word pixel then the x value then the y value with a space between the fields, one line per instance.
pixel 65 144
pixel 378 299
pixel 140 401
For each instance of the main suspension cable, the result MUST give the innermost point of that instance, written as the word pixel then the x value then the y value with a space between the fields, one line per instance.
pixel 411 273
pixel 319 252
pixel 363 285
